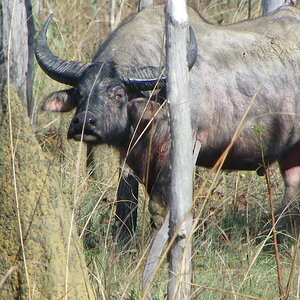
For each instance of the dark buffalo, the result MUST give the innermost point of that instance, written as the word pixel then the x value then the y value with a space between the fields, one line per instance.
pixel 256 59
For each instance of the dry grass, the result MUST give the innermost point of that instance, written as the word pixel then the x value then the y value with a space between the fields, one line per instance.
pixel 233 256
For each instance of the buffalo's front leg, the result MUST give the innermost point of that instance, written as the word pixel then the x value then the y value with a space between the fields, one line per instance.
pixel 126 207
pixel 290 170
pixel 159 197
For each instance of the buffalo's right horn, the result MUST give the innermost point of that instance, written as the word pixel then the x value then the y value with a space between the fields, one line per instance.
pixel 64 71
pixel 146 78
pixel 192 49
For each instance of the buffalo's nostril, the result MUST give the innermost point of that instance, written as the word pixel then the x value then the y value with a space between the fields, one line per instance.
pixel 92 122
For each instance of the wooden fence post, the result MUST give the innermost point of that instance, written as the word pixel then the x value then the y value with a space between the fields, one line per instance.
pixel 181 152
pixel 17 28
pixel 270 5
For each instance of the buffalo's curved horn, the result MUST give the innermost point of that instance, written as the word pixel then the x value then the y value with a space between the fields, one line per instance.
pixel 147 78
pixel 64 71
pixel 192 49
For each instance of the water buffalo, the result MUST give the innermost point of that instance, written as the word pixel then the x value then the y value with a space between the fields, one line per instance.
pixel 256 59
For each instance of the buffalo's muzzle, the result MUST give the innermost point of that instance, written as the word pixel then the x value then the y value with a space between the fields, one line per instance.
pixel 83 127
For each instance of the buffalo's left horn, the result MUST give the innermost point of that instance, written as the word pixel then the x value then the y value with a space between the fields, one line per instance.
pixel 147 78
pixel 64 71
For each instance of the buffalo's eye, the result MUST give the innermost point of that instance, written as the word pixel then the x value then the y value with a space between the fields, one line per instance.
pixel 118 97
pixel 118 93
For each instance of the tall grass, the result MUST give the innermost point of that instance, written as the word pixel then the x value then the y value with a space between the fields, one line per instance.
pixel 233 254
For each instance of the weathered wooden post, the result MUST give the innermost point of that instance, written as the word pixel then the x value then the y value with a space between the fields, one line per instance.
pixel 112 17
pixel 20 33
pixel 145 3
pixel 270 5
pixel 181 152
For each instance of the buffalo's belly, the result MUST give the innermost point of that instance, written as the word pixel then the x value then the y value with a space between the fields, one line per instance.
pixel 243 156
pixel 233 161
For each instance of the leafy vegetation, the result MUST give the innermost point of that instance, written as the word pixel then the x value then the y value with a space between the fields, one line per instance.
pixel 233 257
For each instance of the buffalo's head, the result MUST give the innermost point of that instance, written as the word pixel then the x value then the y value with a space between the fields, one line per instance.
pixel 99 93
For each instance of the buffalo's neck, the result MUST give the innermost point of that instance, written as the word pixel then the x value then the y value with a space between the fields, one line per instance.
pixel 147 158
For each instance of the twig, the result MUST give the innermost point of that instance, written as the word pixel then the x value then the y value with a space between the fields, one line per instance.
pixel 277 259
pixel 296 253
pixel 249 9
pixel 6 276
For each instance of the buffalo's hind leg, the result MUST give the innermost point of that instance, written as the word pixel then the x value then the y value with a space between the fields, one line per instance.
pixel 290 170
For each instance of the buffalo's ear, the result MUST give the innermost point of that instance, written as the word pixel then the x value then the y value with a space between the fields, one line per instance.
pixel 60 101
pixel 141 111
